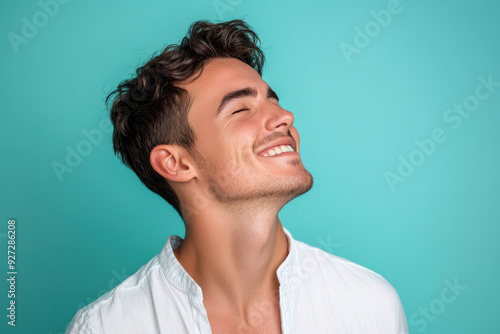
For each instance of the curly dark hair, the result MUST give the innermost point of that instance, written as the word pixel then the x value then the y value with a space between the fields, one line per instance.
pixel 150 108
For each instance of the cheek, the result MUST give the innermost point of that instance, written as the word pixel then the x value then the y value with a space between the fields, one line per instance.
pixel 204 134
pixel 237 145
pixel 231 145
pixel 243 134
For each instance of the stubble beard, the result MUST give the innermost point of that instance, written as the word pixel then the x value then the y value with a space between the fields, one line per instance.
pixel 225 183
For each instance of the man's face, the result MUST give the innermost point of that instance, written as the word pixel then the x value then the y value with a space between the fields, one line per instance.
pixel 240 130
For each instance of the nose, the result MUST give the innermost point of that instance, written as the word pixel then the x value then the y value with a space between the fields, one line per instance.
pixel 278 118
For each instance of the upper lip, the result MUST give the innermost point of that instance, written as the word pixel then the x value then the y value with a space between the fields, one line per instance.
pixel 278 142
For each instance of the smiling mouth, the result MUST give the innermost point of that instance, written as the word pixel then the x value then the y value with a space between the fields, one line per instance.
pixel 277 150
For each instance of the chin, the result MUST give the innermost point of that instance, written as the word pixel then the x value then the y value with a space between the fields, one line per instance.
pixel 271 188
pixel 289 187
pixel 301 185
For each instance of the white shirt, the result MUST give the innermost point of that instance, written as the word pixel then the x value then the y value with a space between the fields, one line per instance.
pixel 319 293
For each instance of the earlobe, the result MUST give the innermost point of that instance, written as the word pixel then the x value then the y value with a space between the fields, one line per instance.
pixel 169 161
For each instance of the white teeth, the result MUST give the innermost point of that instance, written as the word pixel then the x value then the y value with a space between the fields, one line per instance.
pixel 278 150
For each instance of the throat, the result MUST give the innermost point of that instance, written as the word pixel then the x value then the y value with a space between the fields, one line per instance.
pixel 261 317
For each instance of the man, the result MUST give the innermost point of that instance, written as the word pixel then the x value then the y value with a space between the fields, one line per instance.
pixel 201 128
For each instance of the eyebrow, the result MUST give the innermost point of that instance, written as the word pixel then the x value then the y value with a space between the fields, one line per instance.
pixel 244 92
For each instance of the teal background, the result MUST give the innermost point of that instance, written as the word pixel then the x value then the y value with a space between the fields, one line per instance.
pixel 79 236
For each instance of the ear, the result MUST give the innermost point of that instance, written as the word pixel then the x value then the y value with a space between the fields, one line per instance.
pixel 295 135
pixel 172 162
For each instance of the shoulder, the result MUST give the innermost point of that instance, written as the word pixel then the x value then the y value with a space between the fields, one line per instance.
pixel 129 297
pixel 314 260
pixel 348 293
pixel 341 278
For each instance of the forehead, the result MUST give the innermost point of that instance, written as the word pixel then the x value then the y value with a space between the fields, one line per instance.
pixel 219 77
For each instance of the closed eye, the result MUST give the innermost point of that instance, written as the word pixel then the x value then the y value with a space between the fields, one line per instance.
pixel 239 110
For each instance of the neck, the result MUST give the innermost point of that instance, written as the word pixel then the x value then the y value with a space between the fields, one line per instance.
pixel 233 254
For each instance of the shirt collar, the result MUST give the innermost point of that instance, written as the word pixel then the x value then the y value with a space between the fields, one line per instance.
pixel 176 274
pixel 284 271
pixel 174 271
